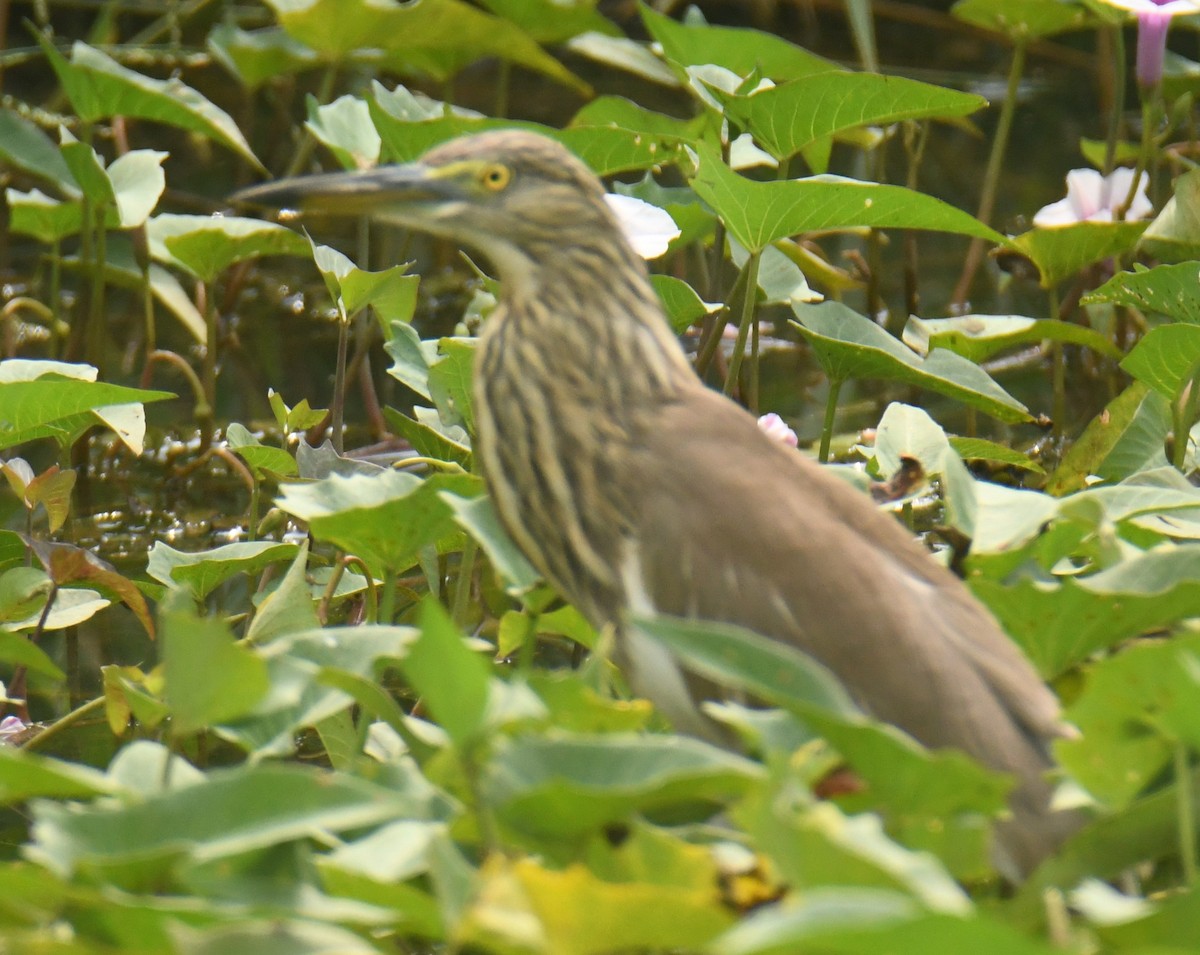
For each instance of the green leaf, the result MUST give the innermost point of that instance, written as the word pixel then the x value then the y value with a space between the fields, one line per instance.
pixel 302 694
pixel 254 57
pixel 1059 624
pixel 1170 290
pixel 981 449
pixel 680 302
pixel 26 775
pixel 87 168
pixel 438 37
pixel 740 50
pixel 849 345
pixel 36 214
pixel 564 786
pixel 787 118
pixel 100 88
pixel 765 668
pixel 287 609
pixel 277 937
pixel 1022 20
pixel 1062 251
pixel 453 681
pixel 385 518
pixel 851 922
pixel 1166 358
pixel 262 459
pixel 203 571
pixel 345 127
pixel 552 21
pixel 1135 705
pixel 814 844
pixel 1174 235
pixel 1127 437
pixel 23 590
pixel 207 678
pixel 477 516
pixel 815 917
pixel 979 337
pixel 411 358
pixel 205 246
pixel 410 124
pixel 428 440
pixel 450 382
pixel 23 144
pixel 758 213
pixel 391 292
pixel 232 812
pixel 27 406
pixel 16 648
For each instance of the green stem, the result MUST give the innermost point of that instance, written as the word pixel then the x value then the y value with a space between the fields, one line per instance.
pixel 991 176
pixel 1186 814
pixel 56 340
pixel 1117 36
pixel 387 604
pixel 708 348
pixel 1183 414
pixel 307 142
pixel 462 586
pixel 148 311
pixel 60 726
pixel 1059 374
pixel 1150 113
pixel 209 378
pixel 451 467
pixel 338 408
pixel 831 400
pixel 96 298
pixel 749 303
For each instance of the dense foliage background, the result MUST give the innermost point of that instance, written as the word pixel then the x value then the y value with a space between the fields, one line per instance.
pixel 310 702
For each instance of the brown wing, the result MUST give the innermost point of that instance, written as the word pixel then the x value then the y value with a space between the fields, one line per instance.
pixel 791 551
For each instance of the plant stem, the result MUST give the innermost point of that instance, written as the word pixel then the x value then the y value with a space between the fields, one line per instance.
pixel 205 421
pixel 1059 374
pixel 387 605
pixel 462 585
pixel 831 400
pixel 991 176
pixel 61 725
pixel 708 348
pixel 1150 113
pixel 1117 37
pixel 337 408
pixel 749 301
pixel 1186 814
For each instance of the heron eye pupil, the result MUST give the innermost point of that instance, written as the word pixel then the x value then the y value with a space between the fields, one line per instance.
pixel 496 177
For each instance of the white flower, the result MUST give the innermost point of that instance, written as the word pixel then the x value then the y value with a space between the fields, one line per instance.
pixel 1171 8
pixel 648 228
pixel 1092 197
pixel 775 427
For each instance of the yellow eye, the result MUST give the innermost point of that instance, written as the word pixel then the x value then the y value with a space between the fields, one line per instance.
pixel 495 177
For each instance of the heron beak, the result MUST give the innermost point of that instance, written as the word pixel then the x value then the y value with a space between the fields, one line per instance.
pixel 388 192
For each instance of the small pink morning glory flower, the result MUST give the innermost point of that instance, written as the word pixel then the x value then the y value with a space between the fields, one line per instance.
pixel 1092 197
pixel 775 427
pixel 1154 17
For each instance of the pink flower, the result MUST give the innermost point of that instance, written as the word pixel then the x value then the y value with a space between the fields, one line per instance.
pixel 1154 18
pixel 775 427
pixel 1092 197
pixel 11 726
